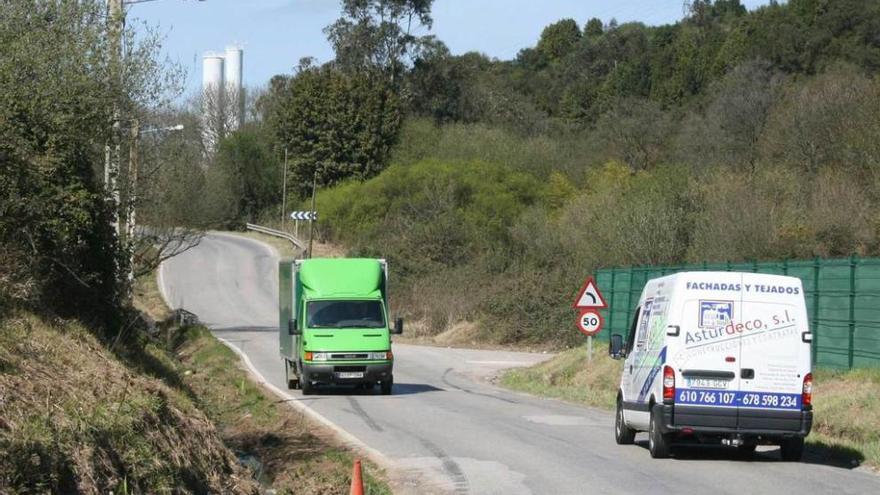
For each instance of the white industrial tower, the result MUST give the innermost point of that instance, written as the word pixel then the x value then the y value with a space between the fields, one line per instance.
pixel 222 95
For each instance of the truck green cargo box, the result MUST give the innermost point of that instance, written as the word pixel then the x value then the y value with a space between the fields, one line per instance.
pixel 333 323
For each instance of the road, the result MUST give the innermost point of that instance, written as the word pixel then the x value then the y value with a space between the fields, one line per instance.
pixel 446 429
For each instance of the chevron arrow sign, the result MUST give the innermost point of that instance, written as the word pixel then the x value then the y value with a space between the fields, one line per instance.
pixel 304 215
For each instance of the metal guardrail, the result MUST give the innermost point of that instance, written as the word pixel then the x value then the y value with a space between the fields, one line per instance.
pixel 277 233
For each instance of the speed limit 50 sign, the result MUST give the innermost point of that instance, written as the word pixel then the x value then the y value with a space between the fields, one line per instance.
pixel 590 322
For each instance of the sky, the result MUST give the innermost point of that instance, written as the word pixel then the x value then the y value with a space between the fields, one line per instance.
pixel 276 34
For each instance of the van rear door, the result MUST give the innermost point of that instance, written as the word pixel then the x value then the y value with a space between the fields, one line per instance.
pixel 774 356
pixel 707 353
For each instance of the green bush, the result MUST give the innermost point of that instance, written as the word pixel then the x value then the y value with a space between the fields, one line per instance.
pixel 430 215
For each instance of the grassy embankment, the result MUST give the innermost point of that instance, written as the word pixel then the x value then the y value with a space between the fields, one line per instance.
pixel 78 418
pixel 296 455
pixel 846 404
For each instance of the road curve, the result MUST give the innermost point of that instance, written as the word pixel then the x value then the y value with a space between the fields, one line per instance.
pixel 446 430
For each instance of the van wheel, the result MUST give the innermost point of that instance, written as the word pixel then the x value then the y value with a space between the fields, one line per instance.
pixel 623 434
pixel 307 387
pixel 792 449
pixel 658 443
pixel 386 386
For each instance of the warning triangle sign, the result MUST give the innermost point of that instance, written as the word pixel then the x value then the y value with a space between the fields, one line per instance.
pixel 589 297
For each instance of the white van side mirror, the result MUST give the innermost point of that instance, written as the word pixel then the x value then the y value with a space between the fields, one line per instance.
pixel 673 330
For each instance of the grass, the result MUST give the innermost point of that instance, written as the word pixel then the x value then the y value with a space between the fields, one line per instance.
pixel 147 298
pixel 297 455
pixel 76 418
pixel 847 413
pixel 846 403
pixel 569 376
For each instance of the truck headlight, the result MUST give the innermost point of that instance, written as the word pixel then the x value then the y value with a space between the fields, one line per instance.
pixel 381 356
pixel 320 356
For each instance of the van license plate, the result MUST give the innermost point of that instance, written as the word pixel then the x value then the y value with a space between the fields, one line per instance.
pixel 351 374
pixel 706 383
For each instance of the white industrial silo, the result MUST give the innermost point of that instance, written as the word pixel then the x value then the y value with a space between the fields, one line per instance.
pixel 234 89
pixel 212 70
pixel 213 87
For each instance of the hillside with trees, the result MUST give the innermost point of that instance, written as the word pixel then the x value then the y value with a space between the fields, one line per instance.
pixel 729 135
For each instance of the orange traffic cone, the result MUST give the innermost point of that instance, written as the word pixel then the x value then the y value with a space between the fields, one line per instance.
pixel 357 479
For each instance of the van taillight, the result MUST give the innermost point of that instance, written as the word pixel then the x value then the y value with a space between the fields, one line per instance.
pixel 807 396
pixel 669 384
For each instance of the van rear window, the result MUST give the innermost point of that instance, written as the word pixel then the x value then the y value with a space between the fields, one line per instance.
pixel 346 314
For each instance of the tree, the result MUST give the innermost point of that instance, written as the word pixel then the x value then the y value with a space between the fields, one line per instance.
pixel 58 87
pixel 335 125
pixel 594 28
pixel 735 120
pixel 375 35
pixel 826 121
pixel 251 170
pixel 635 131
pixel 559 38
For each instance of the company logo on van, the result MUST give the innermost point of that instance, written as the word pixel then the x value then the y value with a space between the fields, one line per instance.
pixel 715 314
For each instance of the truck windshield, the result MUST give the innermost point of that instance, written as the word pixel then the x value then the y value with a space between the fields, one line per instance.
pixel 346 314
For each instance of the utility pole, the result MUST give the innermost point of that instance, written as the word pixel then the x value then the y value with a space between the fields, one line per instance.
pixel 131 198
pixel 314 214
pixel 116 23
pixel 284 192
pixel 131 195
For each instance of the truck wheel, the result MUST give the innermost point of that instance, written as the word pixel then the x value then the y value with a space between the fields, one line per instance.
pixel 386 386
pixel 792 449
pixel 307 387
pixel 658 443
pixel 292 383
pixel 623 434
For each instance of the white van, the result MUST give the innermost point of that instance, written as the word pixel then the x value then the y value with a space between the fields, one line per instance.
pixel 719 357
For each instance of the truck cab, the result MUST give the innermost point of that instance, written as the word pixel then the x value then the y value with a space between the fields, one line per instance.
pixel 334 323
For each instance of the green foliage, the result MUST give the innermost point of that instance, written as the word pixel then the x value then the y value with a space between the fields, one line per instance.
pixel 334 125
pixel 428 215
pixel 539 155
pixel 593 28
pixel 57 89
pixel 375 35
pixel 559 38
pixel 573 77
pixel 249 171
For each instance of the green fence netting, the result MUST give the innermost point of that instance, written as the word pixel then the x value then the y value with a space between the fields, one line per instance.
pixel 843 302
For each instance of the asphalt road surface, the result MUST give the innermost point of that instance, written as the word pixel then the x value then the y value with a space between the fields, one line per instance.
pixel 446 429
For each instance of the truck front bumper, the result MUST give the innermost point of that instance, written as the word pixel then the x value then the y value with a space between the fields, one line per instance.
pixel 347 372
pixel 729 421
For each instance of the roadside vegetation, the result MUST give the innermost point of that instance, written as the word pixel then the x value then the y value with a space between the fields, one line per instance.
pixel 845 402
pixel 294 454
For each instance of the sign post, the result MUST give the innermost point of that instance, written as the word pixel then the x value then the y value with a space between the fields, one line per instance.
pixel 588 302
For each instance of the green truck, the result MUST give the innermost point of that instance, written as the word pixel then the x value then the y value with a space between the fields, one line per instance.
pixel 333 326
